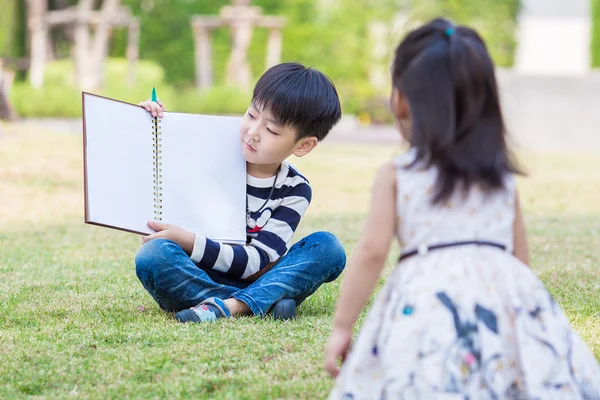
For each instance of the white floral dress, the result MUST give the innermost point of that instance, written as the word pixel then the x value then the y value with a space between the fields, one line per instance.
pixel 468 322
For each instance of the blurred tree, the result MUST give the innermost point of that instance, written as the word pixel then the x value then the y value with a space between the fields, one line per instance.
pixel 166 36
pixel 315 28
pixel 6 79
pixel 85 27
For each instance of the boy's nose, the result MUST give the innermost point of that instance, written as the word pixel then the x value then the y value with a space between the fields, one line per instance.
pixel 253 134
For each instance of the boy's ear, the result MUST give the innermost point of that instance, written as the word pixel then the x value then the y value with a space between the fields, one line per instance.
pixel 305 146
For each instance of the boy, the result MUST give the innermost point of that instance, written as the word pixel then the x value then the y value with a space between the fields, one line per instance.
pixel 292 109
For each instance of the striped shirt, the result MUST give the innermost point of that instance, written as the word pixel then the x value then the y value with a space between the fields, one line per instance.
pixel 270 239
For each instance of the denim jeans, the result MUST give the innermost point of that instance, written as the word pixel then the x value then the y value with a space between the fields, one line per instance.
pixel 176 282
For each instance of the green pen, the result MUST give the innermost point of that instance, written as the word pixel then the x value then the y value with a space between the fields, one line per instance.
pixel 154 98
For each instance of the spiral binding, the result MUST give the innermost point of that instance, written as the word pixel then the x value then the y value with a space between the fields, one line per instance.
pixel 156 132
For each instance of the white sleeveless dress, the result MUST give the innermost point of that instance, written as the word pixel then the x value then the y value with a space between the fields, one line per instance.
pixel 469 322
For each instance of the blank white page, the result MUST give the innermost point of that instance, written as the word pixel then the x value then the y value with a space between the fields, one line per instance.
pixel 204 175
pixel 118 139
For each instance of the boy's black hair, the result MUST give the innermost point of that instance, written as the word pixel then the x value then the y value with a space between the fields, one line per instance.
pixel 300 97
pixel 447 77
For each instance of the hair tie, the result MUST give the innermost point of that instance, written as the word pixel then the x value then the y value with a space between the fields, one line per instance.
pixel 449 31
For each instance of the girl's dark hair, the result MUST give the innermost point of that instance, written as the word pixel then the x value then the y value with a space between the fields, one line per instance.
pixel 447 77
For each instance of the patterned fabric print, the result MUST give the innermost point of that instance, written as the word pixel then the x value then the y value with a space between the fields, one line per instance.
pixel 464 322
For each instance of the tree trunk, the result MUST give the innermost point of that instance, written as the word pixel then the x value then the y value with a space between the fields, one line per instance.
pixel 133 50
pixel 101 40
pixel 6 79
pixel 36 11
pixel 81 46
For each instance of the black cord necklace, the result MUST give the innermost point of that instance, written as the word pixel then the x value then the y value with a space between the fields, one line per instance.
pixel 251 222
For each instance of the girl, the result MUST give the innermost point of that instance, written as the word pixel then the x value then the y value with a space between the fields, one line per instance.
pixel 462 317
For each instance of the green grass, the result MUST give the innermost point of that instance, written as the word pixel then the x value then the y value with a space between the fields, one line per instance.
pixel 75 322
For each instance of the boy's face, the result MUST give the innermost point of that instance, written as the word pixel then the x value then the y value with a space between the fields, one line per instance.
pixel 266 141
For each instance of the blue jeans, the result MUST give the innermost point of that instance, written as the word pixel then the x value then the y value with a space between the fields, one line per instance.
pixel 176 282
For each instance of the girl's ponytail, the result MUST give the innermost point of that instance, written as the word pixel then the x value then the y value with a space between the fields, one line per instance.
pixel 448 77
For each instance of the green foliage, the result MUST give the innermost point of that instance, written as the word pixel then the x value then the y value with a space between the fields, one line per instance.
pixel 166 35
pixel 494 20
pixel 7 19
pixel 54 101
pixel 315 34
pixel 219 100
pixel 60 98
pixel 595 42
pixel 19 48
pixel 13 29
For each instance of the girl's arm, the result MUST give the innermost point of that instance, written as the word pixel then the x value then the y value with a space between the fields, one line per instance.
pixel 520 249
pixel 371 250
pixel 365 265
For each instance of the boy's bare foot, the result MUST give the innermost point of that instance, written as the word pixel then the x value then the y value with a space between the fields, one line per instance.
pixel 237 307
pixel 284 309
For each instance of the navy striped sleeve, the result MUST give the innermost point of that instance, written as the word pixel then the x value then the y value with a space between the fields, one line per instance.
pixel 288 203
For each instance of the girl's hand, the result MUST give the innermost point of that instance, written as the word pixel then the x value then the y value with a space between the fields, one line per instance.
pixel 337 348
pixel 154 108
pixel 183 238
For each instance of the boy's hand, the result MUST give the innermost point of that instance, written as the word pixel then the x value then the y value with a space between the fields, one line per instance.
pixel 337 349
pixel 154 108
pixel 183 238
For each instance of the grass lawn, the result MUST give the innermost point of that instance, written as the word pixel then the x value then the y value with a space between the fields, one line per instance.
pixel 75 322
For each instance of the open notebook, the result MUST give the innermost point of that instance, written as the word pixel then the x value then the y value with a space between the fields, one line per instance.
pixel 182 169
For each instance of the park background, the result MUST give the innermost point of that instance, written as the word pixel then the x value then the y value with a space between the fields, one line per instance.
pixel 74 320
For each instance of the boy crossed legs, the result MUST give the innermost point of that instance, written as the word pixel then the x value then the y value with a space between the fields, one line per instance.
pixel 292 109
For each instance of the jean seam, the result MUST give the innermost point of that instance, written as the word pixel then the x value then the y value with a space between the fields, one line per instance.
pixel 171 295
